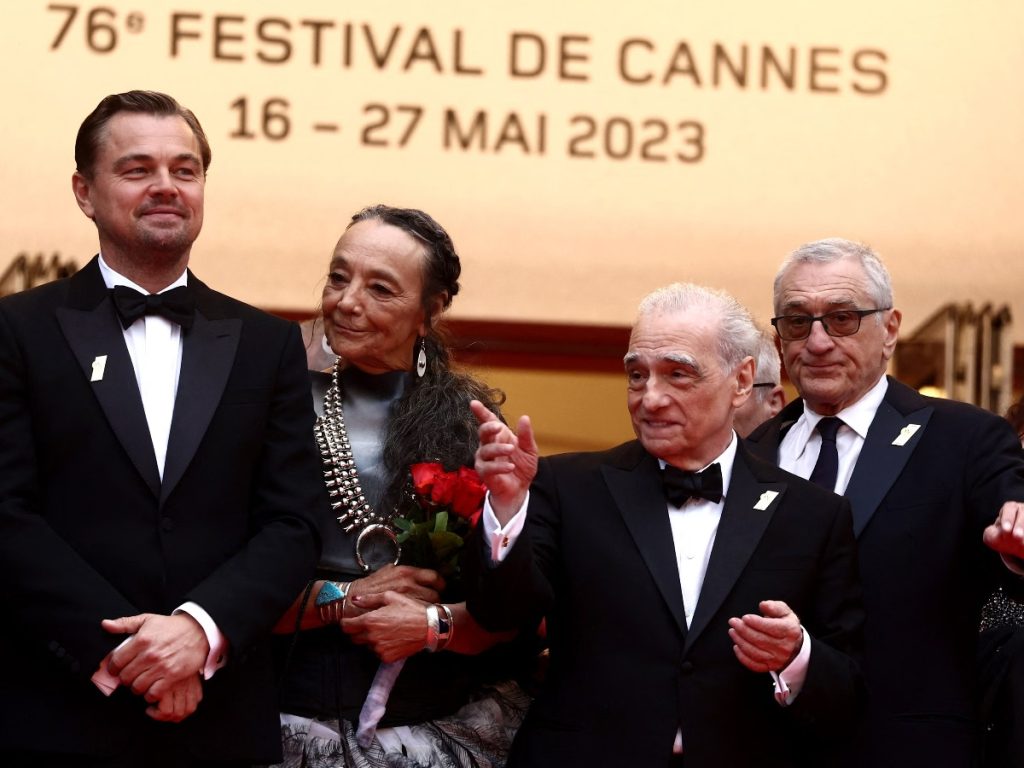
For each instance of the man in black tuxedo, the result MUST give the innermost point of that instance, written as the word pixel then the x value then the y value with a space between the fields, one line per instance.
pixel 925 477
pixel 670 596
pixel 158 479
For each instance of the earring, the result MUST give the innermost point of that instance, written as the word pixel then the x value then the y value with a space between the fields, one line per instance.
pixel 421 358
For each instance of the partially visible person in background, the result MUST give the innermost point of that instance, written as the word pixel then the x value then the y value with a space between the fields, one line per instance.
pixel 1001 664
pixel 768 397
pixel 394 427
pixel 319 355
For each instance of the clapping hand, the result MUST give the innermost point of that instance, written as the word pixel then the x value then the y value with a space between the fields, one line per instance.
pixel 769 642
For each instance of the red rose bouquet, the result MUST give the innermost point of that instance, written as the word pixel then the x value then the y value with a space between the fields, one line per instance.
pixel 439 511
pixel 444 507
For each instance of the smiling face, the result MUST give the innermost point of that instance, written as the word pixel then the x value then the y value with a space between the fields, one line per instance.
pixel 831 373
pixel 680 399
pixel 145 193
pixel 373 300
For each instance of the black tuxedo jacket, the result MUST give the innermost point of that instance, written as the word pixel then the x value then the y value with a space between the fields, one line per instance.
pixel 597 558
pixel 919 510
pixel 88 530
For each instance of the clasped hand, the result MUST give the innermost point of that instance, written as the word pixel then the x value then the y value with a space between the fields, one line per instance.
pixel 387 610
pixel 769 642
pixel 393 625
pixel 162 661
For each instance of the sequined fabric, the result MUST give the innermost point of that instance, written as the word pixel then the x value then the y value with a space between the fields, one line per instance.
pixel 1001 610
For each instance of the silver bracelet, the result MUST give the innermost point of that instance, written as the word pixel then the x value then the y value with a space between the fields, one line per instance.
pixel 330 602
pixel 432 628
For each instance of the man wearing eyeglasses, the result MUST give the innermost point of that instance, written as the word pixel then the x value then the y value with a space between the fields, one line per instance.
pixel 933 485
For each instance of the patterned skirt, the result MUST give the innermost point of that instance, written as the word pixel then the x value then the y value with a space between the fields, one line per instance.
pixel 479 735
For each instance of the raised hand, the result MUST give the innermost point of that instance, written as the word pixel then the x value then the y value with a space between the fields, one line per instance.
pixel 505 461
pixel 1006 534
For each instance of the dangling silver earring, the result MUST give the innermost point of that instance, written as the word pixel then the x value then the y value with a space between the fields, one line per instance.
pixel 421 358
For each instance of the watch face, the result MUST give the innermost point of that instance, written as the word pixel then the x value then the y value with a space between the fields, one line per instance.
pixel 377 546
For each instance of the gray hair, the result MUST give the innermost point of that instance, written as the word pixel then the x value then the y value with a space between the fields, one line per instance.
pixel 737 334
pixel 835 249
pixel 768 365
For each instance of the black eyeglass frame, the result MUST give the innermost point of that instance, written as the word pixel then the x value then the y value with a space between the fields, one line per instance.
pixel 860 313
pixel 764 384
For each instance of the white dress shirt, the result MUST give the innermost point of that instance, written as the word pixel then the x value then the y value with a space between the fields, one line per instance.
pixel 154 345
pixel 798 452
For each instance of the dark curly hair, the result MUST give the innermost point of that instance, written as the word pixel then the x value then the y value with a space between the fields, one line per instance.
pixel 432 420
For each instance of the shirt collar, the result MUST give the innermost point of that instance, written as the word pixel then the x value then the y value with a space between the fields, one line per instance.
pixel 113 279
pixel 857 416
pixel 725 460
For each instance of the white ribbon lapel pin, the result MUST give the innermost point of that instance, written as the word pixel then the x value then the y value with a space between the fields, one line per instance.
pixel 98 366
pixel 905 434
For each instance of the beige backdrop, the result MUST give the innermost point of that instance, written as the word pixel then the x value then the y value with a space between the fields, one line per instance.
pixel 610 154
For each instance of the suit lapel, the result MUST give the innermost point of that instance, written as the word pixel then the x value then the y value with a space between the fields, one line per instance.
pixel 739 532
pixel 880 461
pixel 208 355
pixel 764 441
pixel 637 493
pixel 90 325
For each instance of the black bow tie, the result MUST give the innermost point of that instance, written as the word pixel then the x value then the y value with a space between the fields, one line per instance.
pixel 177 305
pixel 681 485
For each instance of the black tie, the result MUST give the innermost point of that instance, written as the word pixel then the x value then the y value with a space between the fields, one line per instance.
pixel 827 468
pixel 177 305
pixel 681 485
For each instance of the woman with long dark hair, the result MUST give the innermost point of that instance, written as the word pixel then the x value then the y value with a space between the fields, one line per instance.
pixel 381 663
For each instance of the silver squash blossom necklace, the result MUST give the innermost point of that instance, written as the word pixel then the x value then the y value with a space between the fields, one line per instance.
pixel 376 544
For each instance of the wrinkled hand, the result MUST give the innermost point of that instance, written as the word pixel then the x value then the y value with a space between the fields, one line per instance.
pixel 1006 534
pixel 767 643
pixel 417 583
pixel 393 625
pixel 163 651
pixel 505 461
pixel 178 702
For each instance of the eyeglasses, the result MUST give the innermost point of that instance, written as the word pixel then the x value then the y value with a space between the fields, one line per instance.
pixel 842 322
pixel 764 384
